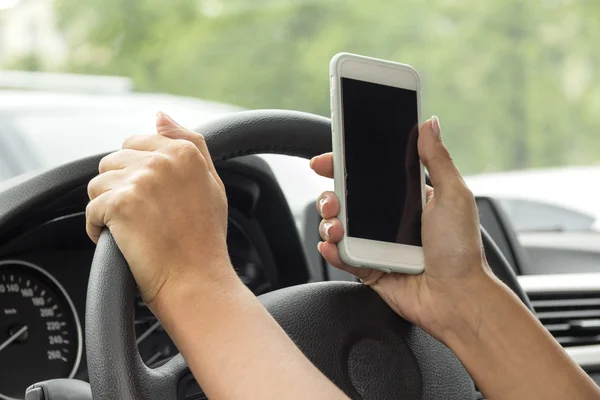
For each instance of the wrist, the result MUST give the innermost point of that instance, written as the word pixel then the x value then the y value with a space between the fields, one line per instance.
pixel 200 287
pixel 471 310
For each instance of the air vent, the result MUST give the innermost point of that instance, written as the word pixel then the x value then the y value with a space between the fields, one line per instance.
pixel 573 319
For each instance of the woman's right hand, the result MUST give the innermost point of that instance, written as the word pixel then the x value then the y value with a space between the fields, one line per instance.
pixel 505 349
pixel 455 266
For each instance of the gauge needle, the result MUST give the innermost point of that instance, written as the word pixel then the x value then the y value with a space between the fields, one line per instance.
pixel 155 357
pixel 144 335
pixel 13 337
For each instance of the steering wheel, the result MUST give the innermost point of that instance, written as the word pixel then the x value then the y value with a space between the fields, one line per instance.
pixel 344 328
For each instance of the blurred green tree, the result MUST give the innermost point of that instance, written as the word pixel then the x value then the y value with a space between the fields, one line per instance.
pixel 514 82
pixel 27 62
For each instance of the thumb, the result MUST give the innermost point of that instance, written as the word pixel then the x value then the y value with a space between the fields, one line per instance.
pixel 436 158
pixel 167 127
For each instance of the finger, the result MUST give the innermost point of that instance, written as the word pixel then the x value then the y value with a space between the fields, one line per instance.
pixel 95 215
pixel 119 159
pixel 413 166
pixel 105 182
pixel 331 230
pixel 428 193
pixel 145 142
pixel 323 165
pixel 167 127
pixel 330 253
pixel 328 205
pixel 436 158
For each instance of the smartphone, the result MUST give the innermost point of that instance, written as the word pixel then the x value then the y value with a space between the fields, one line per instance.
pixel 379 178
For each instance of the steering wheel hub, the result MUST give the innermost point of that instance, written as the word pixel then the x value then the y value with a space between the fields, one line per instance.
pixel 393 362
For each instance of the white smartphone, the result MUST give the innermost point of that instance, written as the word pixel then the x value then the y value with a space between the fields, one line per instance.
pixel 379 178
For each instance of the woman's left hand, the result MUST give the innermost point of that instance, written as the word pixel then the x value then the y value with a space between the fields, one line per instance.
pixel 166 207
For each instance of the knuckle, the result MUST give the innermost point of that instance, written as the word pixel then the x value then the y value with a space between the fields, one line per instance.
pixel 94 218
pixel 157 161
pixel 89 210
pixel 91 188
pixel 442 152
pixel 128 142
pixel 187 152
pixel 144 182
pixel 222 187
pixel 138 179
pixel 124 202
pixel 183 147
pixel 462 196
pixel 91 230
pixel 199 139
pixel 439 157
pixel 104 163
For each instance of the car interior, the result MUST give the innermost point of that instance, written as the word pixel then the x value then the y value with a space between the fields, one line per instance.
pixel 102 333
pixel 512 86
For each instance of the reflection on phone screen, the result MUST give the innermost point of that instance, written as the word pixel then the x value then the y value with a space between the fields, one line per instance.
pixel 383 182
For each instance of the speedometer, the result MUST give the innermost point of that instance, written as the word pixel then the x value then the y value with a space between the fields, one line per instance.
pixel 40 333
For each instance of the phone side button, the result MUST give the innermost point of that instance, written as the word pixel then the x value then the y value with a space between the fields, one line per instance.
pixel 332 100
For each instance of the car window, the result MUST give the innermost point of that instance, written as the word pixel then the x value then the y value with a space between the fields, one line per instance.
pixel 57 129
pixel 514 82
pixel 56 138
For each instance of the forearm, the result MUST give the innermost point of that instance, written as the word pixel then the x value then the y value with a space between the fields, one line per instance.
pixel 233 346
pixel 510 355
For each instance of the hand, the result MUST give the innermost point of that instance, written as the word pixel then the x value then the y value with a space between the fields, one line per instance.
pixel 455 266
pixel 166 207
pixel 409 230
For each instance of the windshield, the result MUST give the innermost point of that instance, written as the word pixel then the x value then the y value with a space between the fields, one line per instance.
pixel 514 82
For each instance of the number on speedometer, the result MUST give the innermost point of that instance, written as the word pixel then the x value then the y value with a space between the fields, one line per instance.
pixel 40 334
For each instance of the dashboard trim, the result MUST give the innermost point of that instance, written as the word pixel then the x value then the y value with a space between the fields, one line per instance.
pixel 585 356
pixel 560 283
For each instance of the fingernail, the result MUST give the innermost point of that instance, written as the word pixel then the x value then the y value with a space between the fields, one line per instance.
pixel 312 160
pixel 319 245
pixel 435 124
pixel 322 202
pixel 326 227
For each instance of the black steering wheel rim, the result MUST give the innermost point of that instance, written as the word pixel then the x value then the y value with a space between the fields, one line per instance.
pixel 344 328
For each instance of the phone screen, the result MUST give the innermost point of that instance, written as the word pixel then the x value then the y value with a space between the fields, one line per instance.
pixel 383 175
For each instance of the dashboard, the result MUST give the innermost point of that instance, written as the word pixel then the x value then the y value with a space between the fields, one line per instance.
pixel 45 258
pixel 45 264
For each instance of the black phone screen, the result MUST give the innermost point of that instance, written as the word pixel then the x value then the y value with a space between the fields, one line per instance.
pixel 383 178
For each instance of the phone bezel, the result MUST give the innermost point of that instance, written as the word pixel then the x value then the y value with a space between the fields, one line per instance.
pixel 356 251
